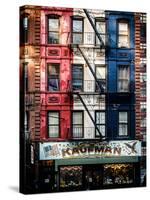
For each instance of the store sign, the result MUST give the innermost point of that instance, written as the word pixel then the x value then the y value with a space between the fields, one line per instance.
pixel 66 150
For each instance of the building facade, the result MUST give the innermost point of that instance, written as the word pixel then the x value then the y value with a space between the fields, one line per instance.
pixel 79 83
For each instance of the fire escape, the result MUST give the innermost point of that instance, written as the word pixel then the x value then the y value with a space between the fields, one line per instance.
pixel 100 89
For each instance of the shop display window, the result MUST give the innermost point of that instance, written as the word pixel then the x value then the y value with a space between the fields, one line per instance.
pixel 70 177
pixel 117 174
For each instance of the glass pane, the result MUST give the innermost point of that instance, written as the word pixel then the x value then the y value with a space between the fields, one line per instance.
pixel 103 38
pixel 123 41
pixel 77 118
pixel 123 28
pixel 118 174
pixel 123 129
pixel 25 22
pixel 100 117
pixel 102 83
pixel 123 86
pixel 123 72
pixel 53 131
pixel 77 131
pixel 53 118
pixel 101 72
pixel 77 38
pixel 100 26
pixel 77 72
pixel 53 84
pixel 70 177
pixel 77 25
pixel 101 129
pixel 53 69
pixel 53 38
pixel 77 85
pixel 53 24
pixel 123 117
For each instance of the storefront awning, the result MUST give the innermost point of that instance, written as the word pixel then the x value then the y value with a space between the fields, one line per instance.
pixel 103 160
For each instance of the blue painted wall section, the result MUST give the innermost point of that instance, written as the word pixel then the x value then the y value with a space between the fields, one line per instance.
pixel 114 57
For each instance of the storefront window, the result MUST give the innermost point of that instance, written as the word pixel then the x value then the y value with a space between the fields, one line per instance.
pixel 117 174
pixel 71 177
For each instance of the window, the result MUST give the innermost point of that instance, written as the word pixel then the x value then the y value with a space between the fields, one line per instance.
pixel 53 124
pixel 123 34
pixel 26 124
pixel 25 69
pixel 143 92
pixel 143 77
pixel 77 30
pixel 143 106
pixel 26 121
pixel 101 28
pixel 77 124
pixel 143 122
pixel 53 77
pixel 101 76
pixel 71 177
pixel 77 77
pixel 143 30
pixel 123 123
pixel 123 78
pixel 118 174
pixel 24 29
pixel 53 30
pixel 101 123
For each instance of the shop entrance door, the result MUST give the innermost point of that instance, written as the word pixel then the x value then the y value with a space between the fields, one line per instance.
pixel 93 177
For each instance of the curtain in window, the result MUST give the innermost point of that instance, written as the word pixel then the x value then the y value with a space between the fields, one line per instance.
pixel 77 74
pixel 123 123
pixel 53 77
pixel 77 124
pixel 123 79
pixel 53 121
pixel 123 35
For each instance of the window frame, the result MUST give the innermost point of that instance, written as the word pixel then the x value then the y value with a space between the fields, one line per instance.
pixel 48 31
pixel 25 77
pixel 119 79
pixel 26 121
pixel 100 124
pixel 143 123
pixel 143 106
pixel 24 31
pixel 72 124
pixel 101 80
pixel 126 21
pixel 78 65
pixel 103 34
pixel 49 76
pixel 124 123
pixel 48 125
pixel 78 18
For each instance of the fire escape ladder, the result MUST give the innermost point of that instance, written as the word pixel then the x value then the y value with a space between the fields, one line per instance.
pixel 102 45
pixel 99 85
pixel 82 101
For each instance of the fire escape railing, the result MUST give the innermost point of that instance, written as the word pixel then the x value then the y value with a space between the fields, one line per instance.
pixel 101 89
pixel 78 93
pixel 77 44
pixel 102 45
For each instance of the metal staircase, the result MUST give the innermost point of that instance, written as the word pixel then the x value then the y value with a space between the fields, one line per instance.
pixel 102 44
pixel 99 85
